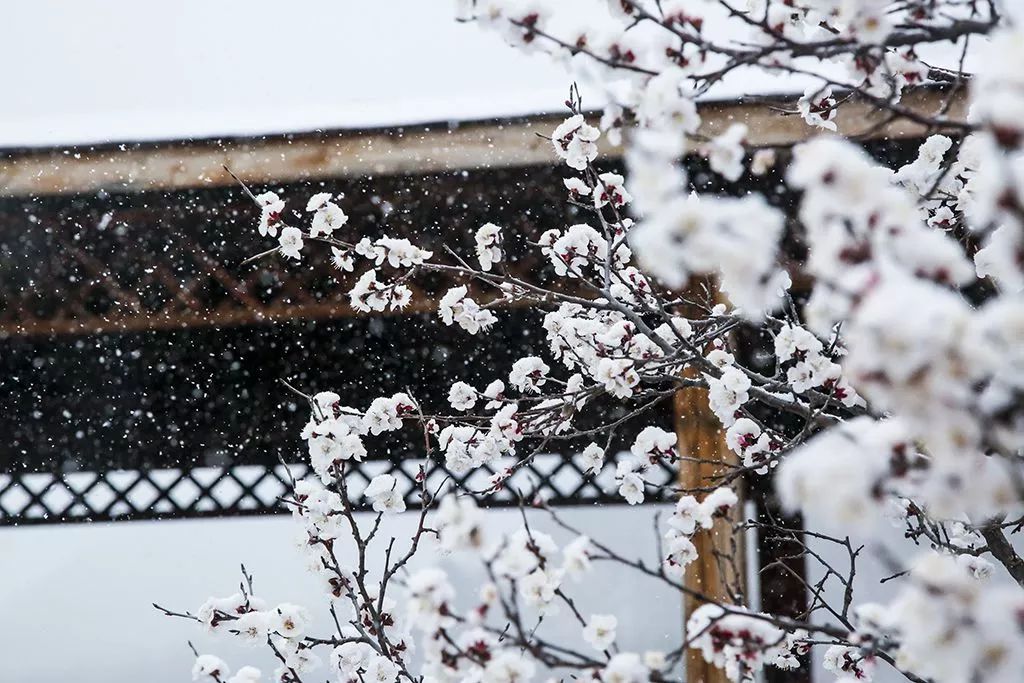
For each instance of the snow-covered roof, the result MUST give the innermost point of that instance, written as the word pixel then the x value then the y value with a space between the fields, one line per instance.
pixel 111 71
pixel 95 71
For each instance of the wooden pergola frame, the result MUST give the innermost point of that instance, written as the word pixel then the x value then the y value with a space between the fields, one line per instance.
pixel 424 149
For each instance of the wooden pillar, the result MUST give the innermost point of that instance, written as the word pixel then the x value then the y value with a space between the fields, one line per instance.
pixel 720 561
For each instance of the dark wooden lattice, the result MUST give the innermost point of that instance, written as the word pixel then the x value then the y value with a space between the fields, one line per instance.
pixel 122 316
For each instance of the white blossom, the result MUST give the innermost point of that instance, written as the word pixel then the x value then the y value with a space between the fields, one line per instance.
pixel 247 674
pixel 538 588
pixel 689 515
pixel 817 107
pixel 611 189
pixel 290 243
pixel 383 493
pixel 456 307
pixel 209 665
pixel 488 246
pixel 327 216
pixel 508 666
pixel 625 667
pixel 600 631
pixel 271 208
pixel 576 556
pixel 576 187
pixel 592 458
pixel 575 140
pixel 462 396
pixel 630 481
pixel 290 621
pixel 529 374
pixel 618 376
pixel 725 152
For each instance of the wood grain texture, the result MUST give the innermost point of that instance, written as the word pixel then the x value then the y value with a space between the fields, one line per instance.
pixel 411 149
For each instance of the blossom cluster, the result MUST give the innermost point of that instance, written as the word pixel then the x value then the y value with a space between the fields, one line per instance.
pixel 893 392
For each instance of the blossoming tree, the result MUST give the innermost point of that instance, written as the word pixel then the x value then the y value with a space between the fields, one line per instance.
pixel 894 394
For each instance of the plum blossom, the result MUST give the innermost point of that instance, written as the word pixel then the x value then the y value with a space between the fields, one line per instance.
pixel 247 674
pixel 817 107
pixel 576 556
pixel 867 21
pixel 738 238
pixel 625 667
pixel 385 414
pixel 575 141
pixel 667 102
pixel 523 553
pixel 629 476
pixel 857 453
pixel 290 621
pixel 725 152
pixel 611 189
pixel 271 208
pixel 719 501
pixel 349 658
pixel 459 523
pixel 383 493
pixel 381 670
pixel 495 393
pixel 508 666
pixel 592 458
pixel 581 246
pixel 654 444
pixel 456 307
pixel 763 161
pixel 488 246
pixel 618 376
pixel 734 641
pixel 728 393
pixel 398 252
pixel 327 216
pixel 841 659
pixel 577 188
pixel 209 665
pixel 529 374
pixel 369 294
pixel 538 588
pixel 679 552
pixel 252 628
pixel 600 631
pixel 689 515
pixel 430 593
pixel 342 259
pixel 290 243
pixel 462 396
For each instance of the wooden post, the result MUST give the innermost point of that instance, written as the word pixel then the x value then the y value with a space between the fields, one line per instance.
pixel 720 563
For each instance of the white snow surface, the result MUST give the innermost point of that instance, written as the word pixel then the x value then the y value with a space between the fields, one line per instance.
pixel 96 71
pixel 77 597
pixel 108 71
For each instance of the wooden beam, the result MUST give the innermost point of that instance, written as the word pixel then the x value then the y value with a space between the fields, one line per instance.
pixel 418 149
pixel 701 437
pixel 279 159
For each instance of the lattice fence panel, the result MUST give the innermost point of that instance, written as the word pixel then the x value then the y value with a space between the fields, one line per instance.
pixel 44 497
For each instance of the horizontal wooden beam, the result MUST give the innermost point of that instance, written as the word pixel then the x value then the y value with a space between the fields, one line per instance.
pixel 422 149
pixel 131 322
pixel 227 316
